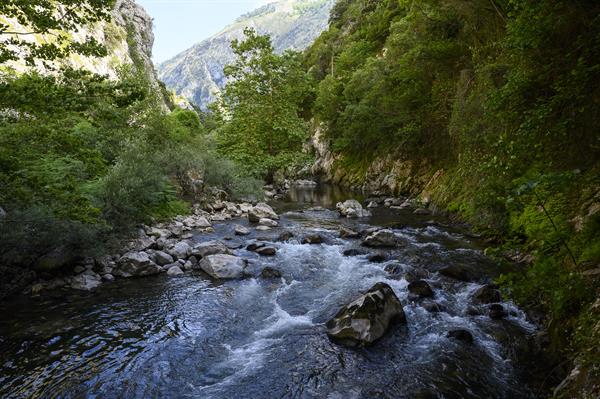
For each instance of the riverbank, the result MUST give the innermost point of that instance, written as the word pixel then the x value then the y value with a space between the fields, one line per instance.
pixel 266 334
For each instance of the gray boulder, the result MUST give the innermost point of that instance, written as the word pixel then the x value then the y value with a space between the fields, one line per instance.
pixel 210 248
pixel 86 281
pixel 241 230
pixel 162 258
pixel 381 238
pixel 368 318
pixel 174 271
pixel 136 264
pixel 268 222
pixel 260 211
pixel 223 266
pixel 352 209
pixel 348 233
pixel 180 250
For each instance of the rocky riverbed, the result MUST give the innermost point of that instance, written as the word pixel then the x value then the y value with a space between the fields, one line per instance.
pixel 313 296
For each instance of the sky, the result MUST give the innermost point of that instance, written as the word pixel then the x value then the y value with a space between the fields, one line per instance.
pixel 179 24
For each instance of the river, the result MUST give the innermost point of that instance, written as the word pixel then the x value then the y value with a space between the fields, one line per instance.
pixel 190 337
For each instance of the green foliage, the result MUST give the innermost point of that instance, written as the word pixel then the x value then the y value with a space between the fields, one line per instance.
pixel 55 21
pixel 259 110
pixel 503 96
pixel 84 159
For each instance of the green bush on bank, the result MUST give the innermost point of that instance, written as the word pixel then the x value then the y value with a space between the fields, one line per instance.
pixel 84 160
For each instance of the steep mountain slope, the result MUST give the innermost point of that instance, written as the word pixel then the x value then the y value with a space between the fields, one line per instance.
pixel 128 38
pixel 197 73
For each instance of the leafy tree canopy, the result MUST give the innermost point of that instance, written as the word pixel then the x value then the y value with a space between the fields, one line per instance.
pixel 56 23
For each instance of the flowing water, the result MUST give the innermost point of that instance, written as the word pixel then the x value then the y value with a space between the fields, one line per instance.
pixel 190 337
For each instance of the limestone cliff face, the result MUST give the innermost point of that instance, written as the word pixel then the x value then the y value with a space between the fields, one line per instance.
pixel 197 73
pixel 128 38
pixel 391 174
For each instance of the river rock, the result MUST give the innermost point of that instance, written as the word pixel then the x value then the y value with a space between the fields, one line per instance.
pixel 285 236
pixel 263 228
pixel 353 252
pixel 108 277
pixel 162 258
pixel 174 271
pixel 86 281
pixel 269 272
pixel 255 246
pixel 368 318
pixel 352 209
pixel 348 233
pixel 241 230
pixel 210 248
pixel 180 250
pixel 458 272
pixel 136 264
pixel 223 266
pixel 198 222
pixel 312 239
pixel 377 257
pixel 372 205
pixel 266 251
pixel 422 211
pixel 260 211
pixel 381 238
pixel 420 288
pixel 245 207
pixel 433 307
pixel 486 294
pixel 497 311
pixel 268 222
pixel 461 335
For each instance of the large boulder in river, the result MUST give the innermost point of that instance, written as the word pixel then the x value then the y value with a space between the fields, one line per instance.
pixel 137 264
pixel 261 211
pixel 352 209
pixel 208 248
pixel 368 318
pixel 381 238
pixel 223 266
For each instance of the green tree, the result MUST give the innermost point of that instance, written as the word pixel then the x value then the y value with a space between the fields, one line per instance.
pixel 56 22
pixel 260 107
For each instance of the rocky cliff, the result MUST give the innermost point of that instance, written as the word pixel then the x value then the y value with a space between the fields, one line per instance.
pixel 128 38
pixel 197 73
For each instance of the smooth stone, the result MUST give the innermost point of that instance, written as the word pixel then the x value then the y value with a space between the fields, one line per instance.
pixel 263 228
pixel 352 209
pixel 162 258
pixel 180 250
pixel 241 230
pixel 260 211
pixel 108 277
pixel 285 236
pixel 381 238
pixel 269 272
pixel 266 251
pixel 368 318
pixel 174 271
pixel 223 266
pixel 461 335
pixel 377 257
pixel 312 239
pixel 353 252
pixel 86 281
pixel 497 311
pixel 348 233
pixel 207 248
pixel 268 222
pixel 420 288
